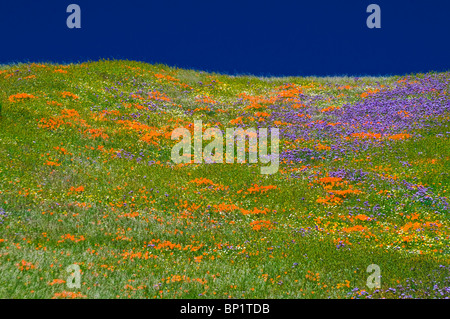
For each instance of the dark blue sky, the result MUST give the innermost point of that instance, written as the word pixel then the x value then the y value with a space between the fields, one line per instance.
pixel 277 37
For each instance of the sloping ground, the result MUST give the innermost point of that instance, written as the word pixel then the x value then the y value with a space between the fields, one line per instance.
pixel 86 178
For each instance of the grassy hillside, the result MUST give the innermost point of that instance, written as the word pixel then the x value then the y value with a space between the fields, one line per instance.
pixel 86 178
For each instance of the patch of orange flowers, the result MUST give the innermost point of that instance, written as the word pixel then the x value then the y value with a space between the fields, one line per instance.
pixel 330 200
pixel 260 224
pixel 363 135
pixel 53 103
pixel 68 295
pixel 178 278
pixel 155 95
pixel 400 136
pixel 237 120
pixel 53 163
pixel 202 181
pixel 258 189
pixel 25 265
pixel 77 189
pixel 56 281
pixel 151 137
pixel 225 207
pixel 167 244
pixel 328 109
pixel 345 192
pixel 254 211
pixel 205 99
pixel 369 92
pixel 71 238
pixel 357 228
pixel 93 133
pixel 20 97
pixel 322 147
pixel 66 94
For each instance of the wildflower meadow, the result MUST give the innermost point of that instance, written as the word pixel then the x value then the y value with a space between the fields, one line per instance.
pixel 93 206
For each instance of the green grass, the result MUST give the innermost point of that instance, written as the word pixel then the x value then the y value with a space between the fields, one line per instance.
pixel 107 227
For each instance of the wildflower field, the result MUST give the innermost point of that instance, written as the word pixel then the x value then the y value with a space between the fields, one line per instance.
pixel 86 178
